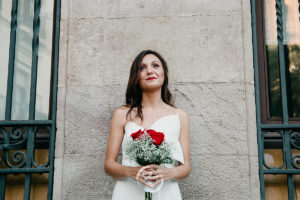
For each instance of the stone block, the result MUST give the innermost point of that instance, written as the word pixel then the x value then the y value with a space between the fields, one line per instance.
pixel 58 179
pixel 88 116
pixel 251 119
pixel 101 51
pixel 60 122
pixel 154 8
pixel 212 101
pixel 247 41
pixel 63 54
pixel 85 52
pixel 217 177
pixel 123 8
pixel 65 5
pixel 197 49
pixel 254 178
pixel 217 116
pixel 206 7
pixel 84 178
pixel 213 137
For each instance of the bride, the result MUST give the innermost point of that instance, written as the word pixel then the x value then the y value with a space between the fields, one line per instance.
pixel 148 106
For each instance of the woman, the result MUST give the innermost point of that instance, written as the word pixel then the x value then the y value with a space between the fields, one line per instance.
pixel 148 106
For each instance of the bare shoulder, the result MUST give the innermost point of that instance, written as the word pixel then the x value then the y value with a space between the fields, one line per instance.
pixel 121 111
pixel 119 115
pixel 182 114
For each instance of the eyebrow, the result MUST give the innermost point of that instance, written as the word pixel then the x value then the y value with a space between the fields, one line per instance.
pixel 152 62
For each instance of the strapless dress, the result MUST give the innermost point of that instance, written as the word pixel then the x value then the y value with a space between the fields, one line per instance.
pixel 129 189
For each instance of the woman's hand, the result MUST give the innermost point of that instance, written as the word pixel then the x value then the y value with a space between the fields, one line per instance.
pixel 143 174
pixel 157 174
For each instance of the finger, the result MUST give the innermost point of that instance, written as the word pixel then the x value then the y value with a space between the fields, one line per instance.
pixel 149 184
pixel 150 173
pixel 153 178
pixel 156 167
pixel 140 173
pixel 156 183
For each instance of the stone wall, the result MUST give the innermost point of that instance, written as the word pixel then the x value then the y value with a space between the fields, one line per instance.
pixel 208 47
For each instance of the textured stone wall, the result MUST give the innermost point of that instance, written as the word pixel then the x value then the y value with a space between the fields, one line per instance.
pixel 208 47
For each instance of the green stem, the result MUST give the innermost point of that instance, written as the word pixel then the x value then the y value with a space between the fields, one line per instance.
pixel 148 196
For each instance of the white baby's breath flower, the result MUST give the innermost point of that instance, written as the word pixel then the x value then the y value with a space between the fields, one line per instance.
pixel 144 152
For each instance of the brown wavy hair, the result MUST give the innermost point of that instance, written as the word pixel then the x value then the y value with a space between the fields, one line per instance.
pixel 134 91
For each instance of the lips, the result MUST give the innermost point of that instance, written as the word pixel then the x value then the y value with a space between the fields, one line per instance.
pixel 151 78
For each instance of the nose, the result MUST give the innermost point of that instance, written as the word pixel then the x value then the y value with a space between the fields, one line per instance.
pixel 149 70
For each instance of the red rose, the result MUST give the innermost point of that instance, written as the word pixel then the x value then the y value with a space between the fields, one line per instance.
pixel 157 137
pixel 137 134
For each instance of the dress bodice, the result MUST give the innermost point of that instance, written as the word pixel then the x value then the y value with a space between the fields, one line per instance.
pixel 169 125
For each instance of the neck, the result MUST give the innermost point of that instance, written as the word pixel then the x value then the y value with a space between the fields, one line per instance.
pixel 152 99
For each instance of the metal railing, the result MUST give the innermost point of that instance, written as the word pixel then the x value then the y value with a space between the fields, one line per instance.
pixel 289 134
pixel 20 138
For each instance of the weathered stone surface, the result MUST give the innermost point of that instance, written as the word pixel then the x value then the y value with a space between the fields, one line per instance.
pixel 63 54
pixel 251 120
pixel 86 52
pixel 123 8
pixel 213 137
pixel 144 8
pixel 217 177
pixel 84 178
pixel 218 101
pixel 58 179
pixel 217 116
pixel 206 7
pixel 102 51
pixel 247 40
pixel 88 115
pixel 254 178
pixel 65 5
pixel 60 122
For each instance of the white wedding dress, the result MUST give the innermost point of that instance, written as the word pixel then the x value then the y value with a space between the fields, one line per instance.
pixel 128 189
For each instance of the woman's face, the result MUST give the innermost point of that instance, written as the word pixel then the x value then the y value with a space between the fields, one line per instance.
pixel 151 73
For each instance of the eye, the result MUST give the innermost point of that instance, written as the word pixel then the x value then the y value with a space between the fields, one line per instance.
pixel 155 65
pixel 142 67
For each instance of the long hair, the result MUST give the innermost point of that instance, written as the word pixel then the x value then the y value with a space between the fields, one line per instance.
pixel 134 91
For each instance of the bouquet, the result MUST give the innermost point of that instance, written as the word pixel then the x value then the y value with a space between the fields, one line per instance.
pixel 149 147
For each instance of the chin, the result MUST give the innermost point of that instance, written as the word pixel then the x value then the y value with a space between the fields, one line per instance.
pixel 152 87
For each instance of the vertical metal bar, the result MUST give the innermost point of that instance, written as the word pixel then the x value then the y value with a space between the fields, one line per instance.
pixel 288 158
pixel 285 116
pixel 11 62
pixel 30 139
pixel 35 49
pixel 56 23
pixel 3 176
pixel 29 152
pixel 279 22
pixel 11 65
pixel 257 99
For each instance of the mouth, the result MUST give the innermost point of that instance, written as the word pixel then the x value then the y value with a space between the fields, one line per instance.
pixel 150 78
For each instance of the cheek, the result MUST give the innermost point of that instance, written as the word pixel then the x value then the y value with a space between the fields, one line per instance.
pixel 162 74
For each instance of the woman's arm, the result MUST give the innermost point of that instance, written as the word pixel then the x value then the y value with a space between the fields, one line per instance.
pixel 183 170
pixel 111 166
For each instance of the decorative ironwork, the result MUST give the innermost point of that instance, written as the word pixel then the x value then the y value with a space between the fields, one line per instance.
pixel 16 139
pixel 279 20
pixel 283 153
pixel 289 133
pixel 20 139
